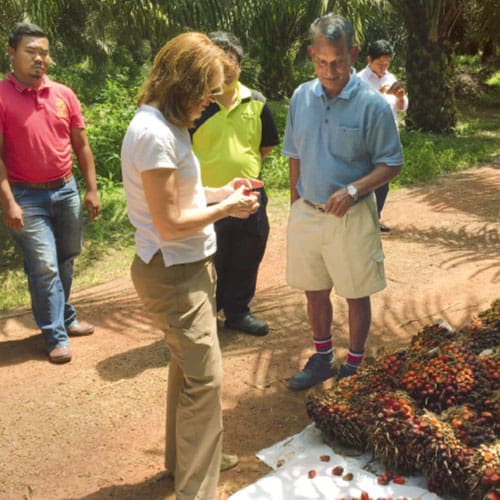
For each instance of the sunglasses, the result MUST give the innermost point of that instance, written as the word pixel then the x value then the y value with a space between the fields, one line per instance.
pixel 215 92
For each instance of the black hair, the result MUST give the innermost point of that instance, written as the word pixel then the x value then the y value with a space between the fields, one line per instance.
pixel 334 28
pixel 24 29
pixel 380 48
pixel 228 42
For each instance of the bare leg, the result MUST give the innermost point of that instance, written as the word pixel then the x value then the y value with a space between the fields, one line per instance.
pixel 320 311
pixel 359 323
pixel 320 366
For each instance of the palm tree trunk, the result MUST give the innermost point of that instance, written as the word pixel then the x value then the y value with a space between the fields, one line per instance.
pixel 430 74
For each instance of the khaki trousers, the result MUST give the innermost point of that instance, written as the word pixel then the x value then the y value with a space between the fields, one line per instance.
pixel 181 299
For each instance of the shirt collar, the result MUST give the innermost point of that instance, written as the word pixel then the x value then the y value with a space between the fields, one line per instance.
pixel 21 87
pixel 244 92
pixel 346 93
pixel 372 73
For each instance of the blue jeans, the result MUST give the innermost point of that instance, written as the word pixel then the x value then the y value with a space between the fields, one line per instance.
pixel 49 242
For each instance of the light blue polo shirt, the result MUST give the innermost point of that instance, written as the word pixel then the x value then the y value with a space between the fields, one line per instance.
pixel 339 140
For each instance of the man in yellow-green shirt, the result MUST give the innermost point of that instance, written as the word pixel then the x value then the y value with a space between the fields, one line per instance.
pixel 231 139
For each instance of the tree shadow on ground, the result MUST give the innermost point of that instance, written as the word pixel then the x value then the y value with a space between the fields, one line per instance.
pixel 480 244
pixel 465 191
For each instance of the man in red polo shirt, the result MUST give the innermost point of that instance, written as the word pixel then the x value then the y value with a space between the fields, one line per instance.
pixel 41 123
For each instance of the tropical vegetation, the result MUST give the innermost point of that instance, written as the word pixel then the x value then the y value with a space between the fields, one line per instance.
pixel 446 50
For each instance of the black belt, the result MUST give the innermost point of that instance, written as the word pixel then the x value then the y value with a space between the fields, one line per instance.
pixel 43 185
pixel 315 205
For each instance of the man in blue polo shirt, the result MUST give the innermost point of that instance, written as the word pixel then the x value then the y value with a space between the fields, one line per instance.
pixel 342 143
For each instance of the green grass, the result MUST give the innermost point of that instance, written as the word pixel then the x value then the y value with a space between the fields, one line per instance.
pixel 108 247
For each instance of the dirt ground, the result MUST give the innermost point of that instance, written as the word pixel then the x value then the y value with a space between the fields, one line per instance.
pixel 94 428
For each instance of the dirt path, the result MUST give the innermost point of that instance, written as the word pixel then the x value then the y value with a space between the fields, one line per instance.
pixel 94 428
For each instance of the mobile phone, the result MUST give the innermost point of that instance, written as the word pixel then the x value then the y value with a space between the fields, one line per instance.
pixel 396 86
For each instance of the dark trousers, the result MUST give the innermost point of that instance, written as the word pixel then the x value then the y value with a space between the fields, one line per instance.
pixel 381 195
pixel 241 244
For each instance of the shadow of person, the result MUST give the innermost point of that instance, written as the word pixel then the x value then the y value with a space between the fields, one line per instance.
pixel 130 363
pixel 14 352
pixel 159 487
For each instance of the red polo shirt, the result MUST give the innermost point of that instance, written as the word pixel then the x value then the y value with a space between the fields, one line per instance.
pixel 36 124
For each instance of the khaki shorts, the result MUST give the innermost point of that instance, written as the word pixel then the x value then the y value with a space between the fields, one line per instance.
pixel 325 251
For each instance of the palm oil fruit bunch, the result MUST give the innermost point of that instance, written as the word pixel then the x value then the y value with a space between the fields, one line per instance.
pixel 445 459
pixel 483 332
pixel 337 416
pixel 473 427
pixel 382 373
pixel 442 379
pixel 490 365
pixel 391 434
pixel 433 407
pixel 430 337
pixel 483 478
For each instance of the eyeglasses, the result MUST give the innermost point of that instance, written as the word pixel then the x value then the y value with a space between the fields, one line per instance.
pixel 215 92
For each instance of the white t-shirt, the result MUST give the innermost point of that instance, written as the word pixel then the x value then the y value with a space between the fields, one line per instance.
pixel 151 142
pixel 377 82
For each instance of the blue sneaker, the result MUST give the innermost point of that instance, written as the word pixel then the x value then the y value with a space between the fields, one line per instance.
pixel 319 367
pixel 346 371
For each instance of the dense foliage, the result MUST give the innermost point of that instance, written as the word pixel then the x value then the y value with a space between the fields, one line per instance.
pixel 103 49
pixel 107 36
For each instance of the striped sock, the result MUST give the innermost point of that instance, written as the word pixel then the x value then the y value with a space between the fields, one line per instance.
pixel 354 358
pixel 324 346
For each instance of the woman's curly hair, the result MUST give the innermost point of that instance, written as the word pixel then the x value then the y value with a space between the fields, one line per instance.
pixel 184 72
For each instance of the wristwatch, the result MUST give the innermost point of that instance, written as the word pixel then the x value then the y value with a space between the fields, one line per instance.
pixel 352 191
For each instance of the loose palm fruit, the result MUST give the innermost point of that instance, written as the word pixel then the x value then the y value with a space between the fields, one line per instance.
pixel 338 470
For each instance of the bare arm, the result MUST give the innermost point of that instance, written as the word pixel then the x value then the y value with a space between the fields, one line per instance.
pixel 340 201
pixel 85 159
pixel 264 152
pixel 294 167
pixel 172 222
pixel 12 213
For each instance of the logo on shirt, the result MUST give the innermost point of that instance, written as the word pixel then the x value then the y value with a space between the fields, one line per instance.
pixel 61 109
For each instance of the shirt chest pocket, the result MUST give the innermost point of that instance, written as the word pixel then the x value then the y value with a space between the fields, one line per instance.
pixel 347 143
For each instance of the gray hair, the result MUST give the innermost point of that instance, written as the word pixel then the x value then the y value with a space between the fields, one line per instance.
pixel 334 28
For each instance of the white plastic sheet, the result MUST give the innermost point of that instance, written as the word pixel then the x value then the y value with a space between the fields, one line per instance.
pixel 301 453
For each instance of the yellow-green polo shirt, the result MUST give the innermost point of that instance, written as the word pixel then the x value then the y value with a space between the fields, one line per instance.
pixel 227 142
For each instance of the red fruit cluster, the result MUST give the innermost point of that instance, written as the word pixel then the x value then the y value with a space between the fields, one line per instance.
pixel 338 417
pixel 431 336
pixel 443 380
pixel 391 430
pixel 433 407
pixel 471 426
pixel 490 365
pixel 484 475
pixel 444 458
pixel 484 330
pixel 384 373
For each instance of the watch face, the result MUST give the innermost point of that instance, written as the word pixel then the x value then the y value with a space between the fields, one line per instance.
pixel 353 192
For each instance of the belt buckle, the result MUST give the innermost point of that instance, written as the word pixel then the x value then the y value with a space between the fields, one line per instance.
pixel 316 205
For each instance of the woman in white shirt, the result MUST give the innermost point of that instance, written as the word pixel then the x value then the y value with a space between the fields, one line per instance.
pixel 173 271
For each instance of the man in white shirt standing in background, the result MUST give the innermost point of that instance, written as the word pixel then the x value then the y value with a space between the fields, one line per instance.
pixel 378 76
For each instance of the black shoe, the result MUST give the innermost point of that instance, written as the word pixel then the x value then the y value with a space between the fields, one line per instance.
pixel 319 368
pixel 384 228
pixel 248 324
pixel 346 371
